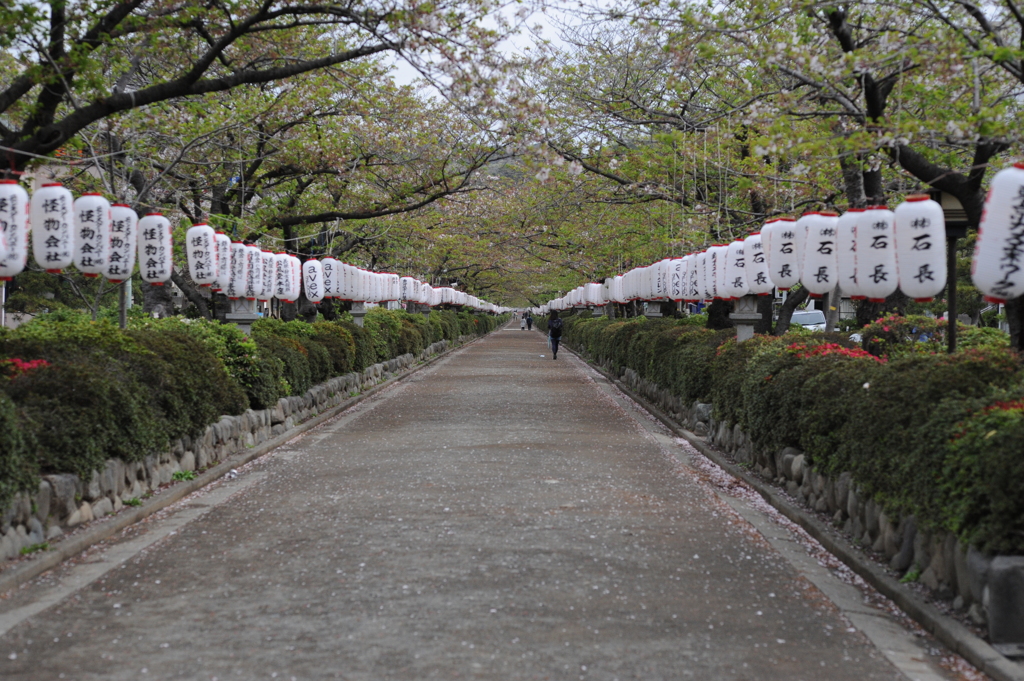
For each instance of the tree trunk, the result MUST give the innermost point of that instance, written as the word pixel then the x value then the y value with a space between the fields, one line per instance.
pixel 305 309
pixel 1015 318
pixel 328 310
pixel 793 300
pixel 156 300
pixel 833 301
pixel 853 178
pixel 718 315
pixel 192 294
pixel 765 306
pixel 868 312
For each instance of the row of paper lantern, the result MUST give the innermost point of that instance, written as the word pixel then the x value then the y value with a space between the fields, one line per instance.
pixel 869 252
pixel 101 239
pixel 98 238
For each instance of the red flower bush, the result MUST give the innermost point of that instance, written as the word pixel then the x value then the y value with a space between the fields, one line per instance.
pixel 16 367
pixel 802 350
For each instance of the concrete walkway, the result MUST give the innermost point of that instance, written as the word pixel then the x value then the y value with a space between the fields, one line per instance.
pixel 497 516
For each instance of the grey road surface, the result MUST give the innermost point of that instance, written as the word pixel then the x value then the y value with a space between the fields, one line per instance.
pixel 500 515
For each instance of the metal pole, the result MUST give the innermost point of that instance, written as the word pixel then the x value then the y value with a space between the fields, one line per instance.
pixel 3 304
pixel 951 294
pixel 122 313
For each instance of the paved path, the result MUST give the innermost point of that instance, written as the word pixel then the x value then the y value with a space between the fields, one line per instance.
pixel 497 516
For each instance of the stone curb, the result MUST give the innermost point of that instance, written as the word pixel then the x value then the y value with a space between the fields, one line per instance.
pixel 947 630
pixel 16 576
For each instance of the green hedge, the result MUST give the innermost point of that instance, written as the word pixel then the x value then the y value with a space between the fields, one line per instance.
pixel 925 433
pixel 74 393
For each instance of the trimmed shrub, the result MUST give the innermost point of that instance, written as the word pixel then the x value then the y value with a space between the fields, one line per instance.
pixel 295 373
pixel 365 354
pixel 85 409
pixel 339 344
pixel 187 383
pixel 19 469
pixel 981 477
pixel 895 336
pixel 410 338
pixel 239 353
pixel 896 431
pixel 383 326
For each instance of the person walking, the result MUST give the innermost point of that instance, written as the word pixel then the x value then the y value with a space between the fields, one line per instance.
pixel 529 322
pixel 554 333
pixel 522 323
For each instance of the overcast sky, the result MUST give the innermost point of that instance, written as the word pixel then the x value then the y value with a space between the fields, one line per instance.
pixel 526 40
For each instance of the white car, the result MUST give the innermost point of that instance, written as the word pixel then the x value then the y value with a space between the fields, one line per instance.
pixel 809 319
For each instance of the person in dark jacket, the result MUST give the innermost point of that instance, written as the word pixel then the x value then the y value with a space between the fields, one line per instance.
pixel 529 321
pixel 554 333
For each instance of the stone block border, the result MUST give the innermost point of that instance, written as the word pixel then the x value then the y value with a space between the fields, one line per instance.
pixel 969 572
pixel 65 501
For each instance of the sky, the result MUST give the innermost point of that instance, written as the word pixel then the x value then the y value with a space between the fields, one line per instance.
pixel 542 27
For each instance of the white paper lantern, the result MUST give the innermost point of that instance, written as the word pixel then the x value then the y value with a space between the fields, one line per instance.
pixel 282 276
pixel 677 278
pixel 595 294
pixel 295 268
pixel 997 264
pixel 14 226
pixel 876 253
pixel 659 279
pixel 782 249
pixel 313 280
pixel 700 289
pixel 199 242
pixel 920 247
pixel 53 239
pixel 648 277
pixel 758 277
pixel 156 249
pixel 820 269
pixel 239 271
pixel 629 286
pixel 265 280
pixel 735 271
pixel 332 280
pixel 846 237
pixel 3 228
pixel 253 272
pixel 693 278
pixel 408 289
pixel 222 260
pixel 376 290
pixel 346 281
pixel 365 286
pixel 618 294
pixel 716 271
pixel 425 293
pixel 357 284
pixel 393 282
pixel 435 297
pixel 92 233
pixel 124 232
